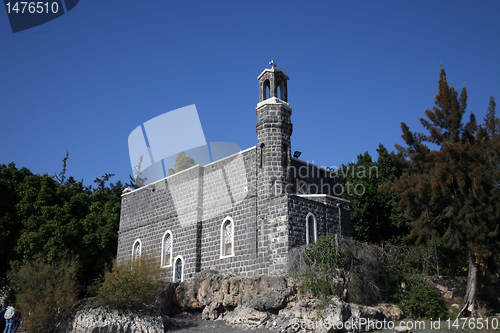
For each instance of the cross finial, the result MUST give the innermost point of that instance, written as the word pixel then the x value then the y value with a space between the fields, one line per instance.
pixel 273 64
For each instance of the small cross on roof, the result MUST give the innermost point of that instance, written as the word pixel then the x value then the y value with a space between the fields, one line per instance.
pixel 273 64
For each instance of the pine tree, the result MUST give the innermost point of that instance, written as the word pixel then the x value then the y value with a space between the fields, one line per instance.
pixel 450 193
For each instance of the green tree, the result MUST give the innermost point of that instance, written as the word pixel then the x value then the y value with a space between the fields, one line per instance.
pixel 69 218
pixel 182 162
pixel 10 225
pixel 451 194
pixel 374 212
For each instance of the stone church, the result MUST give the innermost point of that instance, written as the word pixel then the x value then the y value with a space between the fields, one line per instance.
pixel 242 213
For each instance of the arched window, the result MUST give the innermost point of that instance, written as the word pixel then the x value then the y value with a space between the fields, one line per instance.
pixel 166 249
pixel 227 238
pixel 267 89
pixel 178 269
pixel 311 231
pixel 136 249
pixel 280 90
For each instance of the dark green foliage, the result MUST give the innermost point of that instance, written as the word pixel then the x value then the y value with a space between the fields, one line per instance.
pixel 423 301
pixel 41 215
pixel 70 218
pixel 45 289
pixel 325 252
pixel 370 274
pixel 404 268
pixel 374 213
pixel 10 223
pixel 327 263
pixel 131 285
pixel 329 266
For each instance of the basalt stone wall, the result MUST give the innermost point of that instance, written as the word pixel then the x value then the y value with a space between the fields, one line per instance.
pixel 317 180
pixel 242 212
pixel 149 212
pixel 192 205
pixel 325 211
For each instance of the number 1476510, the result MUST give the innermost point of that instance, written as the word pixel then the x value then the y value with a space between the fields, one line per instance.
pixel 39 7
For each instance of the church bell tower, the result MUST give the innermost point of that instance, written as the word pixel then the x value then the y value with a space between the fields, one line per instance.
pixel 274 128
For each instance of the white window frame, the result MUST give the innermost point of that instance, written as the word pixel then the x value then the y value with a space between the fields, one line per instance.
pixel 163 263
pixel 307 227
pixel 174 268
pixel 138 240
pixel 222 238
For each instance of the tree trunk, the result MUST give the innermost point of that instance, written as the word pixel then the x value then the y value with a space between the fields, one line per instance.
pixel 470 299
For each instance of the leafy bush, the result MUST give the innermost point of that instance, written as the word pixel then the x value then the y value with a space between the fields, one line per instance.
pixel 46 290
pixel 369 273
pixel 423 301
pixel 332 264
pixel 131 285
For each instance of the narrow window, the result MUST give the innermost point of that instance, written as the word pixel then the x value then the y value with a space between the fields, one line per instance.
pixel 310 228
pixel 284 160
pixel 178 270
pixel 262 155
pixel 280 91
pixel 166 249
pixel 227 238
pixel 136 250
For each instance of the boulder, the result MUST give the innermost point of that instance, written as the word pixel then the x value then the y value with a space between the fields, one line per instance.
pixel 247 316
pixel 213 292
pixel 87 318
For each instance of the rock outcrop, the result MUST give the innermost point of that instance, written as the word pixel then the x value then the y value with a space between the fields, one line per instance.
pixel 314 316
pixel 269 302
pixel 87 318
pixel 264 302
pixel 215 293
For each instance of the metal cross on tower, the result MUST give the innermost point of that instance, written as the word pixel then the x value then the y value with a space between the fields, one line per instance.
pixel 273 64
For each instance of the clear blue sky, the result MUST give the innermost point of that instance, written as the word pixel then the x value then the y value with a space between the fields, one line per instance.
pixel 357 69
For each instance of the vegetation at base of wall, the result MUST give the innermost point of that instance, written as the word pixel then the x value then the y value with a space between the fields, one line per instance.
pixel 370 274
pixel 131 285
pixel 334 264
pixel 44 291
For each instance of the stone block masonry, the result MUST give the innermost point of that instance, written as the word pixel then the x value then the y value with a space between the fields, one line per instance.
pixel 243 213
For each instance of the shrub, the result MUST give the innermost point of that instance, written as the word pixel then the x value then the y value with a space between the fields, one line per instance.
pixel 46 290
pixel 331 264
pixel 423 301
pixel 131 285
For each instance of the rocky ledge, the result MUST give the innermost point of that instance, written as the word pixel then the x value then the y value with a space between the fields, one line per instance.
pixel 263 302
pixel 87 318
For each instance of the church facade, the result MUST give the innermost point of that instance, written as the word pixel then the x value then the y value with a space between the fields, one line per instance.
pixel 242 213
